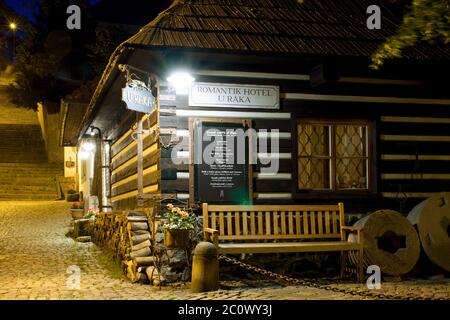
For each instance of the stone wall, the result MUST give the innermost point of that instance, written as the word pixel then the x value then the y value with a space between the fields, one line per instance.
pixel 49 122
pixel 174 264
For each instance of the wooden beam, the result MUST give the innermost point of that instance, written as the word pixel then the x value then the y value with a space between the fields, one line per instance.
pixel 392 137
pixel 422 176
pixel 343 98
pixel 148 151
pixel 421 157
pixel 134 193
pixel 147 171
pixel 410 194
pixel 415 119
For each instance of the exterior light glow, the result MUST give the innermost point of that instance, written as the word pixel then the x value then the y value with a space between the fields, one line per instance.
pixel 180 81
pixel 88 146
pixel 12 26
pixel 84 155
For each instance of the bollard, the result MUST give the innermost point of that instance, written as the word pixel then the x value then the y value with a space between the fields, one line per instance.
pixel 205 268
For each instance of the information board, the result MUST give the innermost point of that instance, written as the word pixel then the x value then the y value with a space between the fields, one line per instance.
pixel 220 162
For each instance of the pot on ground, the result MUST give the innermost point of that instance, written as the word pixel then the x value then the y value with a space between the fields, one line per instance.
pixel 176 238
pixel 77 213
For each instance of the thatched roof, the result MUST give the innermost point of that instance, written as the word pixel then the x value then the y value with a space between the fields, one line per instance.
pixel 268 27
pixel 313 27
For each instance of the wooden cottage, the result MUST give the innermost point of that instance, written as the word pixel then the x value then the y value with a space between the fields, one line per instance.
pixel 298 76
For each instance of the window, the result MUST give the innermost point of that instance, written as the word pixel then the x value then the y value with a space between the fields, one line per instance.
pixel 333 156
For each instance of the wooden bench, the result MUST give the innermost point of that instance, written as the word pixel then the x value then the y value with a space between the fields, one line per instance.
pixel 236 229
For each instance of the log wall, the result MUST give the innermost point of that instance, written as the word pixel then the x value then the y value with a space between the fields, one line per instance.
pixel 124 159
pixel 411 136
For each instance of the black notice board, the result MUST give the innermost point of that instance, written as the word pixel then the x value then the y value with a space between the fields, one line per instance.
pixel 226 179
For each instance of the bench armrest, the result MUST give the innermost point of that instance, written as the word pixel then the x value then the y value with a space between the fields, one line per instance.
pixel 358 231
pixel 211 235
pixel 350 228
pixel 211 231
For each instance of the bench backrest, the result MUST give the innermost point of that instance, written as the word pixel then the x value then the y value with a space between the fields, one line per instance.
pixel 259 222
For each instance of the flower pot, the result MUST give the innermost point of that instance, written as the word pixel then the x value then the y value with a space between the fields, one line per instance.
pixel 176 238
pixel 77 213
pixel 72 197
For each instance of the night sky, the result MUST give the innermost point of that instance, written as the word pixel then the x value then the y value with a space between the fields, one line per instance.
pixel 23 7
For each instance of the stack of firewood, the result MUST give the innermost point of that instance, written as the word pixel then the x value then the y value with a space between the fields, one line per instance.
pixel 127 236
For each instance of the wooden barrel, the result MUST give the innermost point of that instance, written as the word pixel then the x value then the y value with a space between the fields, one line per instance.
pixel 432 220
pixel 390 242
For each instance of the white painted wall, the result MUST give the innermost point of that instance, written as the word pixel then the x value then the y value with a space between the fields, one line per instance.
pixel 85 173
pixel 70 154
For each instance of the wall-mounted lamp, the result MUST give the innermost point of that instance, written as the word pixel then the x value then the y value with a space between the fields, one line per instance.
pixel 180 81
pixel 93 129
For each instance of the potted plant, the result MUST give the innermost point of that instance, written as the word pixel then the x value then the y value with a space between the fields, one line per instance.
pixel 177 227
pixel 91 213
pixel 72 195
pixel 77 210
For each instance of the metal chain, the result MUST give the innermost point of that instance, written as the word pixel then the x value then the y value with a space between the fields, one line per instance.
pixel 318 284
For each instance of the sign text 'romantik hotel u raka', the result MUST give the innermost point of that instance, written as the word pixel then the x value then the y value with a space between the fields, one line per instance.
pixel 234 95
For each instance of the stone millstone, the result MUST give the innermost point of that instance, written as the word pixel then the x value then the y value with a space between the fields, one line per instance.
pixel 432 220
pixel 390 242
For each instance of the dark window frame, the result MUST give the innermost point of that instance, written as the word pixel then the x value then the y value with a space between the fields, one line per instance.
pixel 330 193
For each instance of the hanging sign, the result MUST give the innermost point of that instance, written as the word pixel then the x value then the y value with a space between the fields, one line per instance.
pixel 138 97
pixel 204 94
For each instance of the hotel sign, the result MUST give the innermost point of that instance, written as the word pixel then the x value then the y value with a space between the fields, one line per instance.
pixel 223 95
pixel 138 98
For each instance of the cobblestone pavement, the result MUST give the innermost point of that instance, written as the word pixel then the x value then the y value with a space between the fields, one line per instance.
pixel 35 255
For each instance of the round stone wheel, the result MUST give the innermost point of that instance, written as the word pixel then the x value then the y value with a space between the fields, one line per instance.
pixel 432 220
pixel 390 242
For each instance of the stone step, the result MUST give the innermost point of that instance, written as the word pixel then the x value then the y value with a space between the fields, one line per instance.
pixel 21 143
pixel 42 164
pixel 50 187
pixel 36 168
pixel 41 181
pixel 27 197
pixel 29 175
pixel 30 170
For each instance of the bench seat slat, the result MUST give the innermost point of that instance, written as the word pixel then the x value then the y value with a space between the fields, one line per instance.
pixel 283 222
pixel 213 220
pixel 297 223
pixel 260 223
pixel 334 220
pixel 237 224
pixel 312 218
pixel 327 222
pixel 244 224
pixel 290 223
pixel 305 223
pixel 275 223
pixel 268 223
pixel 252 223
pixel 322 246
pixel 319 223
pixel 221 223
